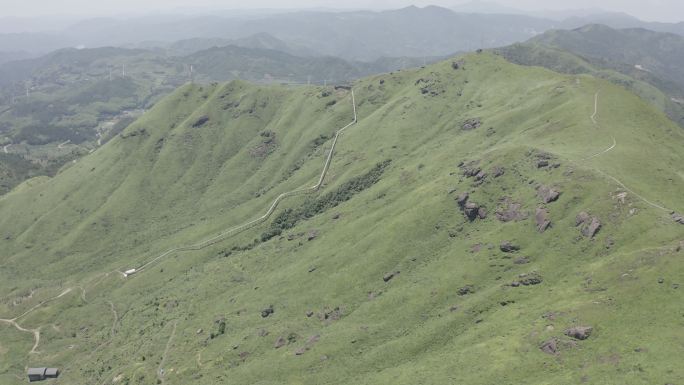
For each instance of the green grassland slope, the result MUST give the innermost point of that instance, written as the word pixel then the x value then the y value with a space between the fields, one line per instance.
pixel 82 97
pixel 380 278
pixel 646 62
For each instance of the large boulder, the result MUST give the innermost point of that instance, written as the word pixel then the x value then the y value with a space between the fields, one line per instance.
pixel 548 194
pixel 530 279
pixel 508 247
pixel 389 276
pixel 280 342
pixel 267 312
pixel 550 347
pixel 462 199
pixel 465 290
pixel 471 124
pixel 582 218
pixel 579 332
pixel 201 121
pixel 592 228
pixel 470 169
pixel 509 211
pixel 542 219
pixel 542 163
pixel 471 210
pixel 589 225
pixel 678 218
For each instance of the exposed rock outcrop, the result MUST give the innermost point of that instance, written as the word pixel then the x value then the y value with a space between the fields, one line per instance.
pixel 579 332
pixel 548 194
pixel 522 261
pixel 267 312
pixel 465 290
pixel 678 218
pixel 470 169
pixel 508 247
pixel 201 121
pixel 462 199
pixel 280 342
pixel 582 218
pixel 389 276
pixel 471 124
pixel 530 279
pixel 550 347
pixel 509 211
pixel 331 314
pixel 542 219
pixel 471 210
pixel 589 225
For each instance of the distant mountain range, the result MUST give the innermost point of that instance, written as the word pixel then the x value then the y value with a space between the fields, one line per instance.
pixel 650 62
pixel 354 35
pixel 77 94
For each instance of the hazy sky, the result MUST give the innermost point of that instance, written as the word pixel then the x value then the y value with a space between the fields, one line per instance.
pixel 663 10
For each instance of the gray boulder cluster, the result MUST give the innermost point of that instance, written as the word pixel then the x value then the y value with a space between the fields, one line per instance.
pixel 471 124
pixel 548 194
pixel 577 333
pixel 542 219
pixel 678 218
pixel 471 210
pixel 510 211
pixel 589 225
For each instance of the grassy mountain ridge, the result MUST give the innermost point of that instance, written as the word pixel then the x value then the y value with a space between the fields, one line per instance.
pixel 75 89
pixel 601 51
pixel 87 96
pixel 656 54
pixel 210 157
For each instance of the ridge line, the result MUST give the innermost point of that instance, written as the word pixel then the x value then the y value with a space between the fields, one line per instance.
pixel 246 226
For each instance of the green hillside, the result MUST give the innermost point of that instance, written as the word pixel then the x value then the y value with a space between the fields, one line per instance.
pixel 389 274
pixel 81 98
pixel 646 62
pixel 654 56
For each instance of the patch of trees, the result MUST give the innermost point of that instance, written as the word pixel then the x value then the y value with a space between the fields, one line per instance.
pixel 201 121
pixel 289 218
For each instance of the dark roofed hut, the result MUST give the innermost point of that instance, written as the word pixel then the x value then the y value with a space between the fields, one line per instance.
pixel 40 374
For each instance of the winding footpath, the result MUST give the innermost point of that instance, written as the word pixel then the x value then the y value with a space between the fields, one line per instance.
pixel 35 332
pixel 197 246
pixel 593 118
pixel 269 212
pixel 160 369
pixel 596 125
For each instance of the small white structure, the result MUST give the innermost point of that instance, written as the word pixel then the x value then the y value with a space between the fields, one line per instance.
pixel 129 272
pixel 641 68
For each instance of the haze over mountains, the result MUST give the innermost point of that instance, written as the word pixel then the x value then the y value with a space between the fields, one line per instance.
pixel 343 197
pixel 388 265
pixel 355 35
pixel 157 53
